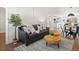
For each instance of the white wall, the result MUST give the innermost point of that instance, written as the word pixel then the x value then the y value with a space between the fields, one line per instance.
pixel 32 15
pixel 2 19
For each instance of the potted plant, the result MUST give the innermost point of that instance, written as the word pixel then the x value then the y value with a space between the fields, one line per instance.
pixel 15 20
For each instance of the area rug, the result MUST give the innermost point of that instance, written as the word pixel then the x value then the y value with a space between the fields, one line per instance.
pixel 65 45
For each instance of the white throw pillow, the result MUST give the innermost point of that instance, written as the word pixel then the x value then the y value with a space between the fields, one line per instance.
pixel 32 29
pixel 37 31
pixel 39 27
pixel 26 29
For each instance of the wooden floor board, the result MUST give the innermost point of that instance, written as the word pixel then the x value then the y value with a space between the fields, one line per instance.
pixel 75 47
pixel 2 41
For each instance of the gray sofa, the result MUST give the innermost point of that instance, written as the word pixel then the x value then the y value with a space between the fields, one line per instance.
pixel 27 39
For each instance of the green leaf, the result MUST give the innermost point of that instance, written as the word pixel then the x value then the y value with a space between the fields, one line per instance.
pixel 15 20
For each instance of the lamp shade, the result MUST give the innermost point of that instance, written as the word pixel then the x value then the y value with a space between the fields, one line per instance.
pixel 42 20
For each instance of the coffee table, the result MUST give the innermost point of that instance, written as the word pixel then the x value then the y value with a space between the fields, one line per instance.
pixel 52 39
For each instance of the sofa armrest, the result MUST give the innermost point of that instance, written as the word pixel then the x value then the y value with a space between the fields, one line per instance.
pixel 23 36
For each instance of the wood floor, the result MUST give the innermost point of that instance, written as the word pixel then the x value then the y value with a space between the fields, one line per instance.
pixel 75 47
pixel 2 41
pixel 10 47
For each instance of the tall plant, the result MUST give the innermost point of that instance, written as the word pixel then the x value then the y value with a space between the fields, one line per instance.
pixel 15 20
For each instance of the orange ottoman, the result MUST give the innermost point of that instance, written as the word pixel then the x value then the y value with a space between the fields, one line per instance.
pixel 52 39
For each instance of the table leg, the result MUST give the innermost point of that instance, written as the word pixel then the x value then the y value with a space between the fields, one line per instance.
pixel 58 45
pixel 46 43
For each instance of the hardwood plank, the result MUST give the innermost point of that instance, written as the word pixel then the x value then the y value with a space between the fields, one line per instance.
pixel 11 46
pixel 2 41
pixel 75 47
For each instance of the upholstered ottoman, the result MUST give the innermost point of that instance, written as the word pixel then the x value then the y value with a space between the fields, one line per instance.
pixel 52 39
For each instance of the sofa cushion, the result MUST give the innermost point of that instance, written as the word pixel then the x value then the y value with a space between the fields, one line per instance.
pixel 33 35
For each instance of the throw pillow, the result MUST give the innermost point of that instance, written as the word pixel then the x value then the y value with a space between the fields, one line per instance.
pixel 26 29
pixel 32 29
pixel 35 27
pixel 39 27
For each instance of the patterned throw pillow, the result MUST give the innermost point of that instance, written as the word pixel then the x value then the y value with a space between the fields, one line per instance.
pixel 39 27
pixel 31 28
pixel 26 29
